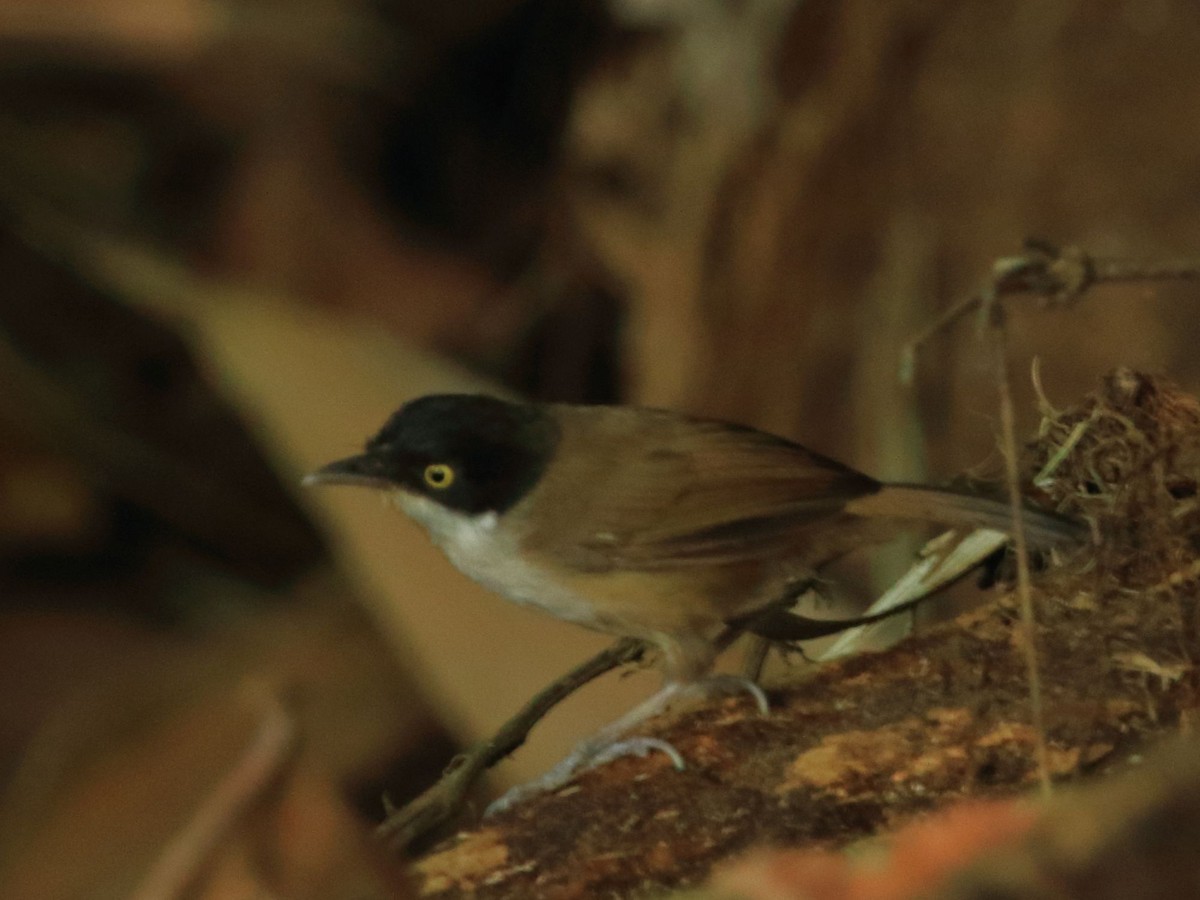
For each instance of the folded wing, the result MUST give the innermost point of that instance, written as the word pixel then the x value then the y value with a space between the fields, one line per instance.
pixel 661 491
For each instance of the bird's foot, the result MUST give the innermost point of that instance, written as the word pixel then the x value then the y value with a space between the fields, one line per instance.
pixel 588 755
pixel 607 744
pixel 637 746
pixel 550 781
pixel 718 685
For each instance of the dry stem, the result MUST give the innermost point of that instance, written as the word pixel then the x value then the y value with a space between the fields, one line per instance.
pixel 184 857
pixel 443 801
pixel 1059 276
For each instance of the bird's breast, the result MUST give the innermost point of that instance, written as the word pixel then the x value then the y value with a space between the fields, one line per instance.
pixel 487 552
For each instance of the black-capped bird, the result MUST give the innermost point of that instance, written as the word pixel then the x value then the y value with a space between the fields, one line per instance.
pixel 643 523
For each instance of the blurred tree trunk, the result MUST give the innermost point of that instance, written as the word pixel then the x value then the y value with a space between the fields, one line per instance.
pixel 790 189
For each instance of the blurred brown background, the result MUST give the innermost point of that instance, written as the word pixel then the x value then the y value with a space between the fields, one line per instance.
pixel 236 235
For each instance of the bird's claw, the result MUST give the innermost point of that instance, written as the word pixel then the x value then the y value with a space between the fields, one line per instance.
pixel 607 746
pixel 585 757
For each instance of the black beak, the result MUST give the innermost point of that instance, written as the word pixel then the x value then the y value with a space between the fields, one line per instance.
pixel 363 470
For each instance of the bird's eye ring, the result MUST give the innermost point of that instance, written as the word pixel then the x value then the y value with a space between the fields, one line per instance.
pixel 439 476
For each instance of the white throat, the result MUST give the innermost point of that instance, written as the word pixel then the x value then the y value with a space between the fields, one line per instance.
pixel 485 551
pixel 446 526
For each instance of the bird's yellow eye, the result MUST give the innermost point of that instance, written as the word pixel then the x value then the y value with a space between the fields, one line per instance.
pixel 439 476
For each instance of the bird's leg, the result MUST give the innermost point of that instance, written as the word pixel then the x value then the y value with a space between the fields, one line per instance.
pixel 758 647
pixel 601 747
pixel 607 744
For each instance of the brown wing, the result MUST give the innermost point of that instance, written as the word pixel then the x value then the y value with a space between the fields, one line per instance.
pixel 635 489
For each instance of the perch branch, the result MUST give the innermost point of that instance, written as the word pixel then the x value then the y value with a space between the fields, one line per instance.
pixel 443 801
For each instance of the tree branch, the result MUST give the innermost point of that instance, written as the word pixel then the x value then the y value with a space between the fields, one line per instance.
pixel 444 800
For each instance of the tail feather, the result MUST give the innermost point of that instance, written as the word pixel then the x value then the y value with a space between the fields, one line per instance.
pixel 783 625
pixel 947 507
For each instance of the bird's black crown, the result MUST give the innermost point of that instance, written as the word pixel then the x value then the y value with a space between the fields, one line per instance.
pixel 495 451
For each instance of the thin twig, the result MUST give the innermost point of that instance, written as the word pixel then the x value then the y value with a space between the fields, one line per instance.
pixel 1058 276
pixel 1008 432
pixel 443 801
pixel 184 857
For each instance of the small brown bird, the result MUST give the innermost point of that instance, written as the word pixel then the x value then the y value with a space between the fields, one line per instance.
pixel 641 522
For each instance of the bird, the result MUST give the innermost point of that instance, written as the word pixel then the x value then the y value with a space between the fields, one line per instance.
pixel 645 523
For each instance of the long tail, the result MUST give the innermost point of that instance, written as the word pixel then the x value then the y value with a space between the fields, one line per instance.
pixel 939 505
